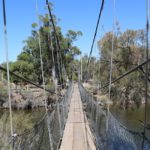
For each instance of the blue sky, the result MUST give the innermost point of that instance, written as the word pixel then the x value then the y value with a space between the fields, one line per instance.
pixel 74 14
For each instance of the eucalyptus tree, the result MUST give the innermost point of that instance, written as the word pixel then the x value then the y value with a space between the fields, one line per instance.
pixel 63 55
pixel 128 53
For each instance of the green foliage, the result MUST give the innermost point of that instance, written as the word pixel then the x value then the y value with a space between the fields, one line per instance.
pixel 28 64
pixel 25 57
pixel 73 35
pixel 3 91
pixel 92 70
pixel 128 52
pixel 22 68
pixel 34 25
pixel 75 77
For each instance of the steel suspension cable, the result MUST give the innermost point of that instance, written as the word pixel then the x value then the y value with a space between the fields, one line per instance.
pixel 110 75
pixel 126 73
pixel 58 48
pixel 59 65
pixel 99 76
pixel 147 67
pixel 53 59
pixel 55 82
pixel 112 52
pixel 93 69
pixel 26 80
pixel 99 67
pixel 41 57
pixel 50 34
pixel 8 74
pixel 98 71
pixel 43 77
pixel 96 30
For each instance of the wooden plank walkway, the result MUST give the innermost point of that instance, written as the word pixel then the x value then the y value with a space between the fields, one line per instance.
pixel 77 134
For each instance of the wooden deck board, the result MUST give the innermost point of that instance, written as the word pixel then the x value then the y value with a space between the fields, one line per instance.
pixel 77 134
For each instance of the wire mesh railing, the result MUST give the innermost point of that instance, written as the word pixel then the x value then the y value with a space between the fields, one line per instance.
pixel 38 137
pixel 108 131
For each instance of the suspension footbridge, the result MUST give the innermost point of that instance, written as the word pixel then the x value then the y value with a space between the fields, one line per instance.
pixel 75 120
pixel 77 134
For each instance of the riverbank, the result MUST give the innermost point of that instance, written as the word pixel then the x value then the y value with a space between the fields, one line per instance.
pixel 28 97
pixel 122 101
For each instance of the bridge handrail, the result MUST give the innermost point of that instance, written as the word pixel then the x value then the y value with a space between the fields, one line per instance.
pixel 63 102
pixel 110 117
